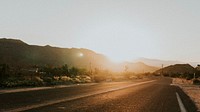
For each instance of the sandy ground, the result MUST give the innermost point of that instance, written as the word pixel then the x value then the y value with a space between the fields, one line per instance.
pixel 193 91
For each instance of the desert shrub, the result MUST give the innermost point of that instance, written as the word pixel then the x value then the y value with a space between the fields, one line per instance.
pixel 10 82
pixel 196 82
pixel 19 82
pixel 77 79
pixel 128 75
pixel 38 79
pixel 98 78
pixel 65 78
pixel 28 83
pixel 86 79
pixel 48 81
pixel 83 79
pixel 134 77
pixel 56 77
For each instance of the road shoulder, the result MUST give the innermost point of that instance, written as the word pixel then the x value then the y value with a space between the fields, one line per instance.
pixel 190 100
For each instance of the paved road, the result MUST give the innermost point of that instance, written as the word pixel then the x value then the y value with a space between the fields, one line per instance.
pixel 136 96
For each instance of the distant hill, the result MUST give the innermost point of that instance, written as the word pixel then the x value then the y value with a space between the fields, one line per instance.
pixel 18 53
pixel 137 67
pixel 141 67
pixel 177 69
pixel 158 63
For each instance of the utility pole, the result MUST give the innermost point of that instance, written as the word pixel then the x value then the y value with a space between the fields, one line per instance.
pixel 125 68
pixel 90 67
pixel 162 70
pixel 91 71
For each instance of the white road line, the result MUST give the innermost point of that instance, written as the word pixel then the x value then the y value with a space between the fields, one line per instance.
pixel 73 98
pixel 40 88
pixel 180 103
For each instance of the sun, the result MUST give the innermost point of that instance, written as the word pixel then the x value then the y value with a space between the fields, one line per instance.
pixel 80 55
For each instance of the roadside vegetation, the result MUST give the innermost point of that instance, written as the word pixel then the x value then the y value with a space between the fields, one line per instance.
pixel 182 71
pixel 32 76
pixel 192 78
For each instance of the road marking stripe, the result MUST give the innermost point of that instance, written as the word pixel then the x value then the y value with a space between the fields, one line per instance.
pixel 180 103
pixel 73 98
pixel 41 88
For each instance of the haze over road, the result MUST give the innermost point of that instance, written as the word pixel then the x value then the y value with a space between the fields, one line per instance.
pixel 138 96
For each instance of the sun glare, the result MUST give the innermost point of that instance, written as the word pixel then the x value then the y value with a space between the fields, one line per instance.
pixel 80 54
pixel 118 58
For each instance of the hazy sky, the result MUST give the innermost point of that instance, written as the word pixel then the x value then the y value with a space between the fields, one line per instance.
pixel 120 29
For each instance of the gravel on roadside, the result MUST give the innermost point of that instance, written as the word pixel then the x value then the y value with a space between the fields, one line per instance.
pixel 193 91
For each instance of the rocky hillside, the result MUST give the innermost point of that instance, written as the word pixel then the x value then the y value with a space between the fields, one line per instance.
pixel 177 69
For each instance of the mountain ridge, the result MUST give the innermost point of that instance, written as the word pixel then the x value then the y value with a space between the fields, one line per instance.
pixel 160 63
pixel 18 53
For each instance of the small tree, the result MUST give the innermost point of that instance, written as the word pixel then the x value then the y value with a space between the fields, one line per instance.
pixel 73 71
pixel 4 69
pixel 65 69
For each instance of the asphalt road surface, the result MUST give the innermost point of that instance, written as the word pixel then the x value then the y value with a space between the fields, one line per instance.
pixel 150 95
